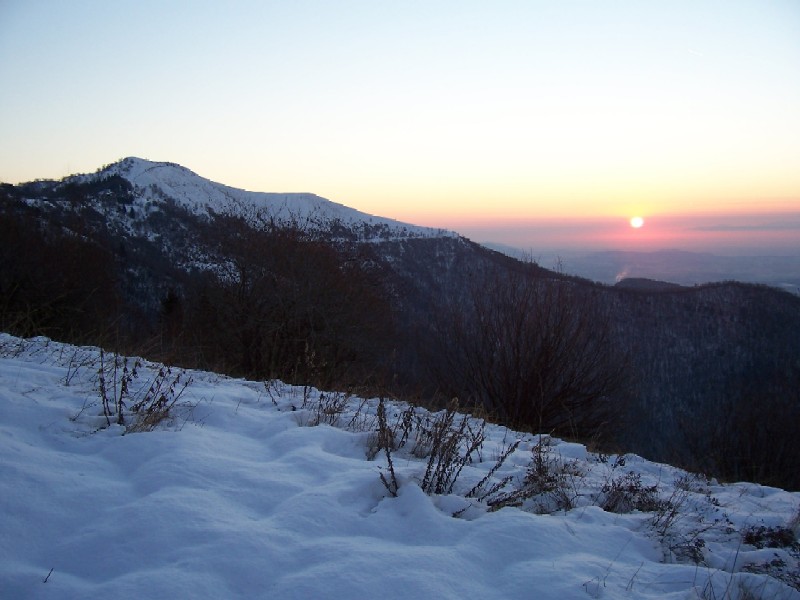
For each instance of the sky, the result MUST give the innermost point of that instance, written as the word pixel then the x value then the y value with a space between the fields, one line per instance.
pixel 498 119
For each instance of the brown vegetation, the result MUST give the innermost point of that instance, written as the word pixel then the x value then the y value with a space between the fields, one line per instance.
pixel 537 353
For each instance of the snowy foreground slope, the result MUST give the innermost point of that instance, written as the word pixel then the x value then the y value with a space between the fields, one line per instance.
pixel 248 491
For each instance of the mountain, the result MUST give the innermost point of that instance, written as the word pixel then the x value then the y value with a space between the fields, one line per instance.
pixel 164 239
pixel 155 259
pixel 154 183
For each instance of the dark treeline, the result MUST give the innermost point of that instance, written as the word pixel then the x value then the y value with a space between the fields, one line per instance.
pixel 536 353
pixel 281 305
pixel 266 303
pixel 704 377
pixel 54 284
pixel 715 371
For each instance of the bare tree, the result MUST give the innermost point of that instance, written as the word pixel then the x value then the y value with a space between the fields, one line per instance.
pixel 54 283
pixel 283 305
pixel 750 433
pixel 537 353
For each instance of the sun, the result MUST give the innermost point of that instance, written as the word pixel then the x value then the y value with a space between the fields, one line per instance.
pixel 637 222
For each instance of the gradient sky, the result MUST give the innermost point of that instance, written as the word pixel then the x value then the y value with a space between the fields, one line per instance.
pixel 484 117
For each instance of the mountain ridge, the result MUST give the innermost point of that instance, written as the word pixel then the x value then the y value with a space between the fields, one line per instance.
pixel 154 181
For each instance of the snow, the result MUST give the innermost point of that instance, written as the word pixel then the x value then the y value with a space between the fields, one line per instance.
pixel 155 181
pixel 239 495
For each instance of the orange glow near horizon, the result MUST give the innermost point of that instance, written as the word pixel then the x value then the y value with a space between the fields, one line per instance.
pixel 733 233
pixel 462 205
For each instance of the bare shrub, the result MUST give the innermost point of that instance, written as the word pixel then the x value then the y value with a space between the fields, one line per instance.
pixel 78 360
pixel 681 520
pixel 113 380
pixel 362 420
pixel 627 493
pixel 328 408
pixel 483 493
pixel 550 484
pixel 769 537
pixel 385 442
pixel 667 516
pixel 453 443
pixel 450 441
pixel 554 480
pixel 394 435
pixel 158 401
pixel 144 409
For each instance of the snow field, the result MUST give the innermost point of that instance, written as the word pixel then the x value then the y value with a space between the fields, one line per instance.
pixel 239 497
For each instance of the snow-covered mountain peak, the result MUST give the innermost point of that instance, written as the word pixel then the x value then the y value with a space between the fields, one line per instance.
pixel 133 168
pixel 161 181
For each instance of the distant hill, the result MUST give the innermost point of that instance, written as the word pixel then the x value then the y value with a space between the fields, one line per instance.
pixel 675 266
pixel 643 283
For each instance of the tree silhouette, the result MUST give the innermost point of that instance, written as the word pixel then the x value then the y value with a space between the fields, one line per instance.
pixel 283 305
pixel 536 353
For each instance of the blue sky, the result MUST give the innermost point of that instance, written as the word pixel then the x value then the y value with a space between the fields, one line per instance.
pixel 452 114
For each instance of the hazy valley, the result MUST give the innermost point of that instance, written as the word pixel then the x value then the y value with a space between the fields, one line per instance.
pixel 673 266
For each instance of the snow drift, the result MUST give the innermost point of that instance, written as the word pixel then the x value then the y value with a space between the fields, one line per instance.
pixel 238 495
